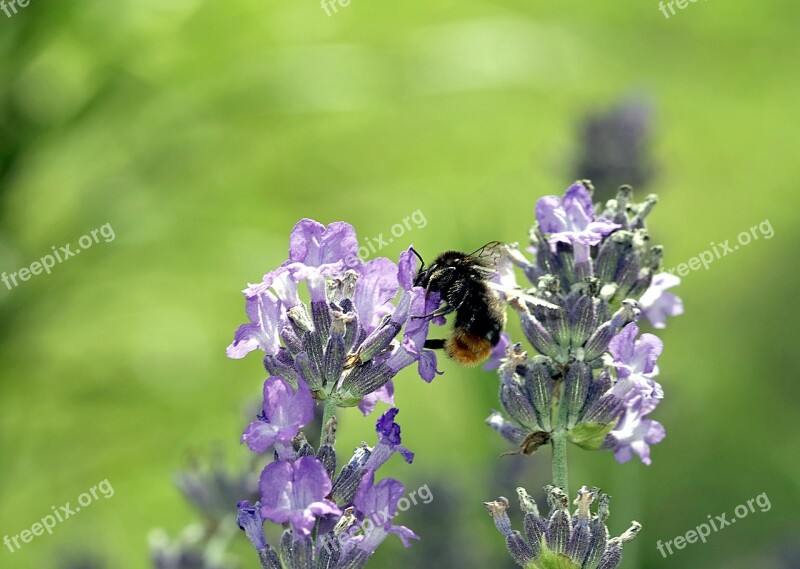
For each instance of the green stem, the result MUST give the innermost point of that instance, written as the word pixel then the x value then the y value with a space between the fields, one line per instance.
pixel 559 442
pixel 328 411
pixel 560 474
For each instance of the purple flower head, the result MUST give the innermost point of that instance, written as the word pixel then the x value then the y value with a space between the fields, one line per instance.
pixel 389 441
pixel 571 220
pixel 295 493
pixel 635 434
pixel 635 361
pixel 378 506
pixel 635 357
pixel 317 252
pixel 267 319
pixel 657 304
pixel 349 342
pixel 284 413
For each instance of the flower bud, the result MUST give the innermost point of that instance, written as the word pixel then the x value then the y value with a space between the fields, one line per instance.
pixel 581 320
pixel 539 388
pixel 538 336
pixel 579 377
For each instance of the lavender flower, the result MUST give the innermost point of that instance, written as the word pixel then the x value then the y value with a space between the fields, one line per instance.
pixel 657 304
pixel 577 541
pixel 635 362
pixel 252 524
pixel 632 434
pixel 295 493
pixel 376 505
pixel 571 220
pixel 351 339
pixel 284 413
pixel 592 383
pixel 366 459
pixel 388 442
pixel 331 525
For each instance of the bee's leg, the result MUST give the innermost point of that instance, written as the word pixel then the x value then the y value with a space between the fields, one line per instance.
pixel 441 311
pixel 434 344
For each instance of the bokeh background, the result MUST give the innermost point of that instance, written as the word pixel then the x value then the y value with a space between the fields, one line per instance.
pixel 202 131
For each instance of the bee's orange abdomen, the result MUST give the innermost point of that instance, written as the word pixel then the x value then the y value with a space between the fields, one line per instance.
pixel 468 349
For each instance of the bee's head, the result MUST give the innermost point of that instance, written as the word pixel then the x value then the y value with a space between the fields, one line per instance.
pixel 443 270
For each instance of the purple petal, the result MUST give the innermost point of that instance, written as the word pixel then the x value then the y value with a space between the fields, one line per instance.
pixel 551 216
pixel 295 493
pixel 384 394
pixel 578 204
pixel 635 435
pixel 286 407
pixel 387 428
pixel 657 304
pixel 632 356
pixel 259 436
pixel 404 534
pixel 600 228
pixel 381 498
pixel 648 348
pixel 266 321
pixel 498 353
pixel 313 244
pixel 311 481
pixel 284 413
pixel 621 345
pixel 376 287
pixel 407 269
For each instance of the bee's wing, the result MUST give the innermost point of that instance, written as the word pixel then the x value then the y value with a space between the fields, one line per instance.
pixel 492 250
pixel 487 257
pixel 516 293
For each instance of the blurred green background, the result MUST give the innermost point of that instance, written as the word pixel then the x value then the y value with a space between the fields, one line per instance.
pixel 202 131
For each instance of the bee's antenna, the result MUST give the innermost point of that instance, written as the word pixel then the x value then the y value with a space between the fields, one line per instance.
pixel 421 260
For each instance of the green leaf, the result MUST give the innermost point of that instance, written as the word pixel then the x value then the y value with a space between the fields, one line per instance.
pixel 590 436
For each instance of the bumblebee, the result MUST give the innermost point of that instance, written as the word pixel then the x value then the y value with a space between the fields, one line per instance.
pixel 462 280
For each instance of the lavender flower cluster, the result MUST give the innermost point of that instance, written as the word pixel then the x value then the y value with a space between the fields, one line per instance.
pixel 562 540
pixel 342 347
pixel 592 382
pixel 601 273
pixel 342 337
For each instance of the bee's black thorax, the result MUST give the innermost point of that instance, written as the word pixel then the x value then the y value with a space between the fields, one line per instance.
pixel 461 281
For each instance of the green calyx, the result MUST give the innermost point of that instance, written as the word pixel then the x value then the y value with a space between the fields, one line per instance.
pixel 590 436
pixel 551 560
